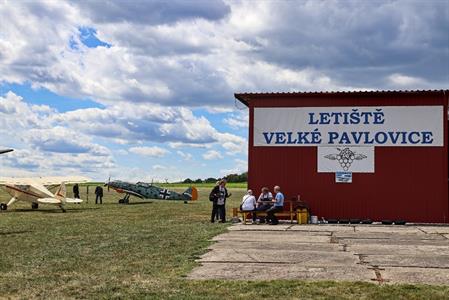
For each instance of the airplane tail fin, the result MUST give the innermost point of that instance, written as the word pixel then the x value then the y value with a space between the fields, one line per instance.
pixel 61 192
pixel 192 193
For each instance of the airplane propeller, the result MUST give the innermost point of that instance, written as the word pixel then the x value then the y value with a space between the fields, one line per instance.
pixel 109 181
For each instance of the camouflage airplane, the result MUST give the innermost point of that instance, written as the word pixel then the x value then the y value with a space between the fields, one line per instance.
pixel 149 191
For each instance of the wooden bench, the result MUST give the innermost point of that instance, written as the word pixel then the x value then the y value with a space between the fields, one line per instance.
pixel 292 214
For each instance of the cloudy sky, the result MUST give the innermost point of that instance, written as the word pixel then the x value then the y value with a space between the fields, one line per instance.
pixel 143 90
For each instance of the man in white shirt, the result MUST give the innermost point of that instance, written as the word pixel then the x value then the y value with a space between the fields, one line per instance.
pixel 249 204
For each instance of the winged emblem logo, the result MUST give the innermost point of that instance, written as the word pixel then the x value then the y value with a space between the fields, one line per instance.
pixel 345 157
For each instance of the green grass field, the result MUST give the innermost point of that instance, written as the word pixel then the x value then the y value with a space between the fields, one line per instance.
pixel 141 250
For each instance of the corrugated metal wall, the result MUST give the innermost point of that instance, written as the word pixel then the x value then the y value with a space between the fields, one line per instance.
pixel 409 183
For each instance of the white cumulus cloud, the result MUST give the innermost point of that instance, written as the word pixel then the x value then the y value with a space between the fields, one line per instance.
pixel 149 151
pixel 212 155
pixel 184 155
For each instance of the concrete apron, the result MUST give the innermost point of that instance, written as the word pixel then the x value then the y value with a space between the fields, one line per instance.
pixel 373 253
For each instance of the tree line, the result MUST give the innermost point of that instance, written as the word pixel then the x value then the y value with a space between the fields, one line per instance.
pixel 229 178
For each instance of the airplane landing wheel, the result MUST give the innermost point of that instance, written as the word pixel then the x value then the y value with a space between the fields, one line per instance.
pixel 34 206
pixel 3 206
pixel 63 210
pixel 185 202
pixel 121 201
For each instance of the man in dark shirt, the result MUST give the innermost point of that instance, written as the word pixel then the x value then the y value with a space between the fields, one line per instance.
pixel 99 195
pixel 76 191
pixel 218 197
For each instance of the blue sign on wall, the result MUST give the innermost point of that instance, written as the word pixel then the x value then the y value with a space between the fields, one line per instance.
pixel 343 177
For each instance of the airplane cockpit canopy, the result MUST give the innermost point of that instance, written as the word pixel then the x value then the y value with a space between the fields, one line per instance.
pixel 144 184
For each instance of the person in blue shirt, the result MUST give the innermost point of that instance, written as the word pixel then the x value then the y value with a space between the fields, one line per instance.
pixel 278 204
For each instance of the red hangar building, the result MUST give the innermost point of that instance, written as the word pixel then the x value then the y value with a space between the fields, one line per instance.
pixel 379 155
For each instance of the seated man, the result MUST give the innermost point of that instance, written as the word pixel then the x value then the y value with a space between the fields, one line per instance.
pixel 264 202
pixel 249 204
pixel 277 207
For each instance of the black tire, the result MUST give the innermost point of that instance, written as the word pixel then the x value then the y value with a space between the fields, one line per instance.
pixel 399 222
pixel 34 206
pixel 387 222
pixel 367 221
pixel 121 201
pixel 354 221
pixel 3 206
pixel 332 221
pixel 343 221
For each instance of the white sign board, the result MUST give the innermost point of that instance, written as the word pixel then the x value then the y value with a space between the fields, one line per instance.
pixel 400 126
pixel 345 159
pixel 343 177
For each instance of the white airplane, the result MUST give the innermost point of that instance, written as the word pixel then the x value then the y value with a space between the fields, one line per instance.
pixel 34 190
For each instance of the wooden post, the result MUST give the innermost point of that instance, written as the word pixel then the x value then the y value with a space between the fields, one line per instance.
pixel 235 217
pixel 87 193
pixel 234 211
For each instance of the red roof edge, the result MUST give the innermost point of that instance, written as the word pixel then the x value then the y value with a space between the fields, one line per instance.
pixel 245 97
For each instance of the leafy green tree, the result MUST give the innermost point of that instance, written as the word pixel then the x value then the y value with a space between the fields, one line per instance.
pixel 237 177
pixel 210 180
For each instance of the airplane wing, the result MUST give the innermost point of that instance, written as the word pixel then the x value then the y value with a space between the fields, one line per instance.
pixel 14 180
pixel 43 180
pixel 49 200
pixel 65 179
pixel 130 192
pixel 73 200
pixel 5 150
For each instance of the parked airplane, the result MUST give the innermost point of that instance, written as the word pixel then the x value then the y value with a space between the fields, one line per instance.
pixel 6 151
pixel 35 190
pixel 149 191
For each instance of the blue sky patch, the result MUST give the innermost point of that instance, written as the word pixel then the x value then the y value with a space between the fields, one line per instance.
pixel 88 37
pixel 43 96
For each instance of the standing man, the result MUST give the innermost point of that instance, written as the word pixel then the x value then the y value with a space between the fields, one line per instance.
pixel 277 207
pixel 99 195
pixel 218 197
pixel 76 191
